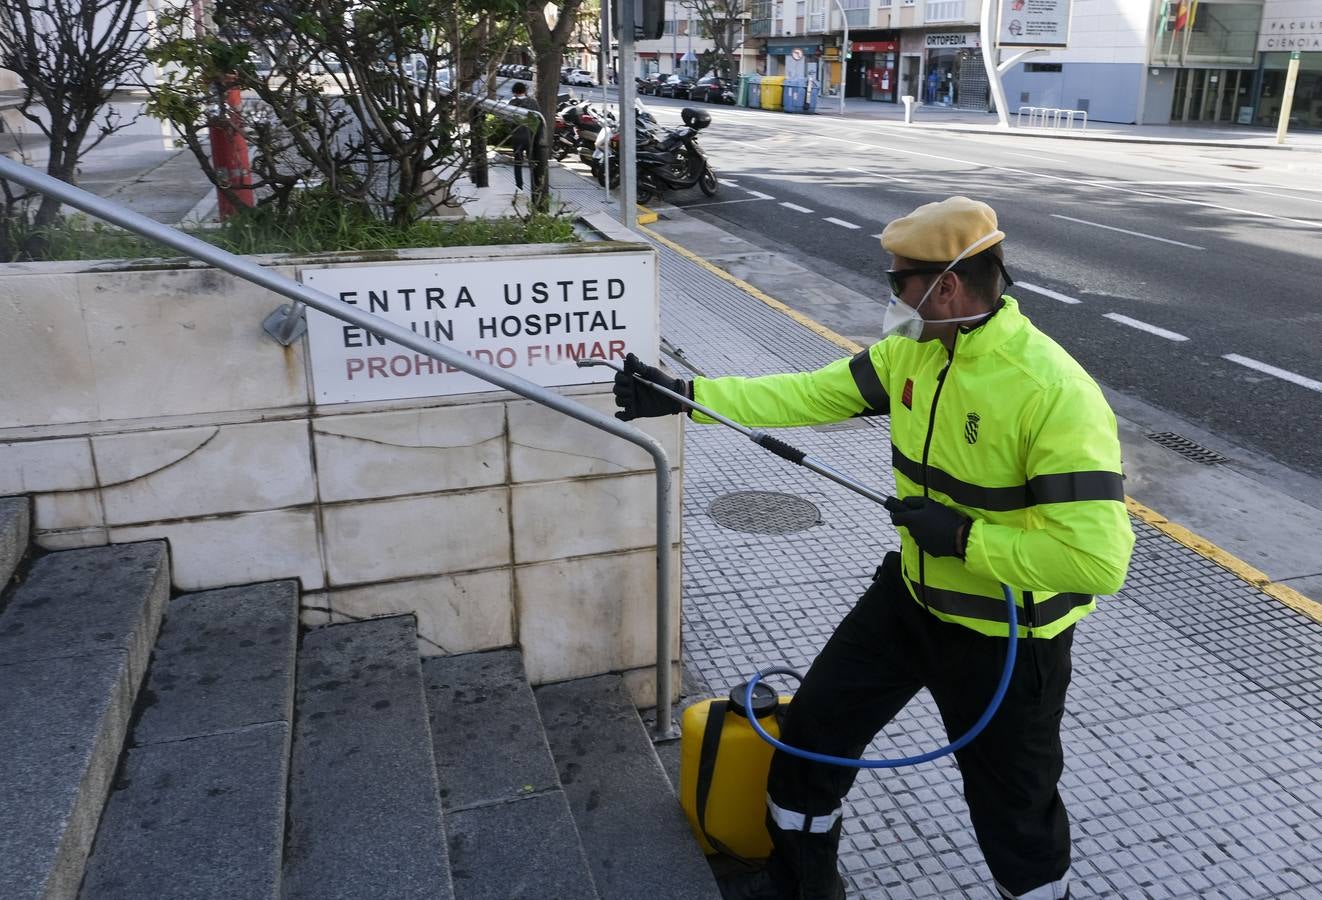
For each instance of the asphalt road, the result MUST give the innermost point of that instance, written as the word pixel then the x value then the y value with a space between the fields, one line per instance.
pixel 1187 277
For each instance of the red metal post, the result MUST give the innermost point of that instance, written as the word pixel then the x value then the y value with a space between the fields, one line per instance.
pixel 229 151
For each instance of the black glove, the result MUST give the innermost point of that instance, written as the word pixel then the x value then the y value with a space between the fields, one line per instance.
pixel 937 529
pixel 637 400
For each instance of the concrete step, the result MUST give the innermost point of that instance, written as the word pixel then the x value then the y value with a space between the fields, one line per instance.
pixel 510 829
pixel 75 639
pixel 15 525
pixel 629 819
pixel 198 809
pixel 364 809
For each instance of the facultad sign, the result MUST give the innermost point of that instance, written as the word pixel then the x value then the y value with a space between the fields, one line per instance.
pixel 1290 25
pixel 1034 23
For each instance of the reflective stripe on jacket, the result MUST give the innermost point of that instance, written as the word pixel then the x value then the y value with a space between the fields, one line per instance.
pixel 1009 430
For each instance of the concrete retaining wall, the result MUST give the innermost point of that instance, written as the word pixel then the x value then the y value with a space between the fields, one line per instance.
pixel 146 402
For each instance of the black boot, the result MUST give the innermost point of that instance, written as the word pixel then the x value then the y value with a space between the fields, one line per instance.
pixel 764 884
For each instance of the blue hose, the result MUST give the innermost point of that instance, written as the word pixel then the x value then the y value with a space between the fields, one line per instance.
pixel 958 744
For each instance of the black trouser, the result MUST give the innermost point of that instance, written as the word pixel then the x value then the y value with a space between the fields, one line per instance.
pixel 880 655
pixel 525 149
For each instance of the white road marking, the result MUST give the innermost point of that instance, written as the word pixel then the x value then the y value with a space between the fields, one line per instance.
pixel 841 222
pixel 796 207
pixel 758 194
pixel 875 174
pixel 1151 237
pixel 1144 326
pixel 1045 293
pixel 1272 370
pixel 878 237
pixel 725 180
pixel 1108 185
pixel 719 202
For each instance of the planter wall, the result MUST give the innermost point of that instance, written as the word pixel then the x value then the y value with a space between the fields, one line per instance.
pixel 144 401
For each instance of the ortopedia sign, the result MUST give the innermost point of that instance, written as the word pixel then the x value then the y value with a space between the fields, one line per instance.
pixel 531 316
pixel 956 40
pixel 1034 23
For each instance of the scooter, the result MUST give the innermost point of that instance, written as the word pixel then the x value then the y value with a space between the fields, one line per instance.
pixel 668 159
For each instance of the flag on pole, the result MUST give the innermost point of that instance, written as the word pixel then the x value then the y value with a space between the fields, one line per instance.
pixel 1181 15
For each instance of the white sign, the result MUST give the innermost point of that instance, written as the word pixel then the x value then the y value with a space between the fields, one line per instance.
pixel 532 316
pixel 1034 23
pixel 1290 25
pixel 954 40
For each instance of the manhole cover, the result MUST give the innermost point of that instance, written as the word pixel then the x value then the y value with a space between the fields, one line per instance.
pixel 1186 448
pixel 763 512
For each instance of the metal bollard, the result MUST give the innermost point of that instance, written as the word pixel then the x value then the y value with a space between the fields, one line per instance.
pixel 908 109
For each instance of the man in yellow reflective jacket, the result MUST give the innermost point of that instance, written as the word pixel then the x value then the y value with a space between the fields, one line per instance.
pixel 1007 466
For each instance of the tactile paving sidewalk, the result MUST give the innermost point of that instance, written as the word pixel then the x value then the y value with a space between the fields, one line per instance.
pixel 1193 728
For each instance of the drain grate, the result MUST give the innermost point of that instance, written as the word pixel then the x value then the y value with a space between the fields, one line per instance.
pixel 764 512
pixel 1186 448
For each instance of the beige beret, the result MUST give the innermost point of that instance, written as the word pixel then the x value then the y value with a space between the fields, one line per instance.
pixel 940 232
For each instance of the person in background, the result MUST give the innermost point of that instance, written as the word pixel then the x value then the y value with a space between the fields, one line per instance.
pixel 524 139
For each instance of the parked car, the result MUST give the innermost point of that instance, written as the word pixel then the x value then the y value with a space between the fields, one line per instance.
pixel 649 83
pixel 581 78
pixel 713 90
pixel 676 86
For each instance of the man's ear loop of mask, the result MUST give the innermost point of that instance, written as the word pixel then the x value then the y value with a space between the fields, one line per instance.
pixel 906 321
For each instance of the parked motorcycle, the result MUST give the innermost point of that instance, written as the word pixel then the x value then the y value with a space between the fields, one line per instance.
pixel 668 159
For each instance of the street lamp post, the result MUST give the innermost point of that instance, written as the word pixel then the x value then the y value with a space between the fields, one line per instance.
pixel 844 55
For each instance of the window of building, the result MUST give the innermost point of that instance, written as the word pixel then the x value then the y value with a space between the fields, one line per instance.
pixel 945 10
pixel 1041 67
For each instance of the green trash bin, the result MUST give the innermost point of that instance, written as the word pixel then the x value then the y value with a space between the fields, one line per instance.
pixel 755 91
pixel 794 95
pixel 741 98
pixel 773 88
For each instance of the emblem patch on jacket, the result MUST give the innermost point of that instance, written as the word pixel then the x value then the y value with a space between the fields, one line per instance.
pixel 907 397
pixel 971 428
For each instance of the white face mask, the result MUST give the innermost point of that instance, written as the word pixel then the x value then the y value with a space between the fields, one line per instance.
pixel 905 320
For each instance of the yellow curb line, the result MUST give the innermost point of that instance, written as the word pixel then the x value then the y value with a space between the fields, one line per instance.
pixel 820 329
pixel 1204 548
pixel 645 215
pixel 1228 561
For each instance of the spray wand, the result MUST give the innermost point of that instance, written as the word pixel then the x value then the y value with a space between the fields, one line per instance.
pixel 798 457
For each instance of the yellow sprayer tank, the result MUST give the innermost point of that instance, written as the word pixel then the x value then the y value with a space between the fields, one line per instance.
pixel 723 768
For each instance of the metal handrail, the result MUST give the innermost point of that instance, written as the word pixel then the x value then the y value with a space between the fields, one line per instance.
pixel 303 295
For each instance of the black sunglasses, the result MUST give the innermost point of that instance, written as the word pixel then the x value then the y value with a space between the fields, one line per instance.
pixel 897 277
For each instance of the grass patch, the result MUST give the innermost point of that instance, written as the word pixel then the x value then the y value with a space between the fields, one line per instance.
pixel 317 224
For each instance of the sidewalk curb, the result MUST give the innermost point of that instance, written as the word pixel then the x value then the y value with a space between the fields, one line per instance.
pixel 1251 576
pixel 1228 561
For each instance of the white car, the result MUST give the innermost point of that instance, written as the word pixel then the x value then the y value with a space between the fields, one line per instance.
pixel 581 78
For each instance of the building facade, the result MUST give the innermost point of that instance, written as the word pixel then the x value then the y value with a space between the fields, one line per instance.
pixel 1131 61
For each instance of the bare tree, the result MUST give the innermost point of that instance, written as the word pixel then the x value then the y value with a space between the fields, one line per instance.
pixel 723 21
pixel 70 58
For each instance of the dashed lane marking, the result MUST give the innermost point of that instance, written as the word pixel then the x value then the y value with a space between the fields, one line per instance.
pixel 841 222
pixel 1144 326
pixel 1046 293
pixel 758 194
pixel 794 206
pixel 1046 176
pixel 1151 237
pixel 1285 374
